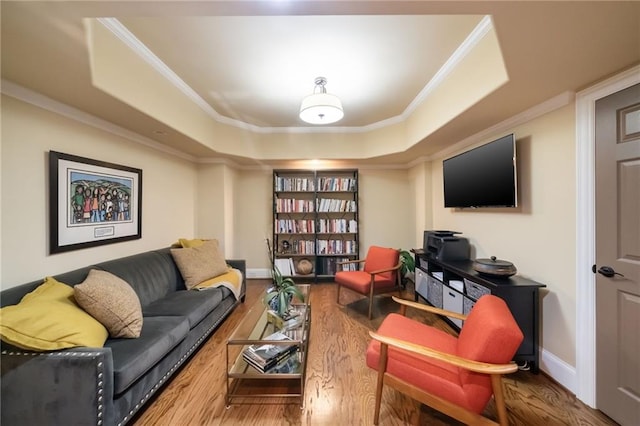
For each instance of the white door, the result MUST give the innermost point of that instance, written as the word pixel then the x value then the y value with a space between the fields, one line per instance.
pixel 618 255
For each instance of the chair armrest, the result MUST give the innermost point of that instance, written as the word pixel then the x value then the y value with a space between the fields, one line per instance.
pixel 468 364
pixel 380 271
pixel 431 309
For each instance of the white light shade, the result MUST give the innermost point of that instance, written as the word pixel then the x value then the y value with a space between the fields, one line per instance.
pixel 321 108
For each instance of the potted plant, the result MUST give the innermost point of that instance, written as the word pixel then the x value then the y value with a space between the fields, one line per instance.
pixel 408 265
pixel 279 297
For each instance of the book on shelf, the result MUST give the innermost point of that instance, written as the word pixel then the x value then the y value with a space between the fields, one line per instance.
pixel 285 266
pixel 266 356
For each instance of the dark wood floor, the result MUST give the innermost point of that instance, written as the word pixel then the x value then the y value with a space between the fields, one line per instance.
pixel 340 387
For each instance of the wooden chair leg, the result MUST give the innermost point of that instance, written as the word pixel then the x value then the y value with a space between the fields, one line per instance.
pixel 338 297
pixel 498 395
pixel 371 293
pixel 382 367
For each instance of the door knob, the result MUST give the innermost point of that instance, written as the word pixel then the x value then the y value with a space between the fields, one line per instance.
pixel 608 271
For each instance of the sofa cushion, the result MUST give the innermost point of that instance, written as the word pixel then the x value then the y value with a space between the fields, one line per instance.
pixel 134 357
pixel 48 318
pixel 200 263
pixel 112 301
pixel 195 305
pixel 152 275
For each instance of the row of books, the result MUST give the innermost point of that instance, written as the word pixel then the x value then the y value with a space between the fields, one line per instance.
pixel 291 226
pixel 337 225
pixel 337 184
pixel 294 184
pixel 292 205
pixel 269 358
pixel 337 247
pixel 336 205
pixel 308 226
pixel 300 247
pixel 307 184
pixel 329 265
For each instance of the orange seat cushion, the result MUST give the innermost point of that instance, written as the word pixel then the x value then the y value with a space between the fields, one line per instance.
pixel 360 281
pixel 378 258
pixel 433 376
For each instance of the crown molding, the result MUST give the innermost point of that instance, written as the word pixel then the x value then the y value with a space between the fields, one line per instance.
pixel 119 30
pixel 39 100
pixel 34 98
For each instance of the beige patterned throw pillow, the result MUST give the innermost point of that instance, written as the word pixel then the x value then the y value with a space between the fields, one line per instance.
pixel 198 264
pixel 111 301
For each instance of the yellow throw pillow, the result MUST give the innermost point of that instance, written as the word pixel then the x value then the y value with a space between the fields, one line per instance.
pixel 197 264
pixel 197 242
pixel 49 319
pixel 112 301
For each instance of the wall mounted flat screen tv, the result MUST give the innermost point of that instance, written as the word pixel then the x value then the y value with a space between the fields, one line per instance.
pixel 482 177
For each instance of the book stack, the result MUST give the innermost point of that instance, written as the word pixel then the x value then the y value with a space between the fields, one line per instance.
pixel 265 357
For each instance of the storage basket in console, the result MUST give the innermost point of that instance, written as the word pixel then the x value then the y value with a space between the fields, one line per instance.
pixel 475 290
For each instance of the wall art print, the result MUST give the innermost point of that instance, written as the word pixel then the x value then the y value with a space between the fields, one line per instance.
pixel 92 202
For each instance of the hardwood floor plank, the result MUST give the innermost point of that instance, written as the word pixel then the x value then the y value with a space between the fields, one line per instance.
pixel 339 386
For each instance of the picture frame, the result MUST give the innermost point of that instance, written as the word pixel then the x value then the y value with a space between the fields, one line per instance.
pixel 92 202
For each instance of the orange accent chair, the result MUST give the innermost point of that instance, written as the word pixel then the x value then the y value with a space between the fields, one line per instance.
pixel 380 274
pixel 454 375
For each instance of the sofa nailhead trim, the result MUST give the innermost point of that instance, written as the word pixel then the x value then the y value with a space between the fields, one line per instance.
pixel 99 383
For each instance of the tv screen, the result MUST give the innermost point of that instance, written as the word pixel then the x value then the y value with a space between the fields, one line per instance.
pixel 482 177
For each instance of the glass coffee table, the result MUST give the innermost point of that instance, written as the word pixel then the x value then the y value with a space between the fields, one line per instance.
pixel 285 379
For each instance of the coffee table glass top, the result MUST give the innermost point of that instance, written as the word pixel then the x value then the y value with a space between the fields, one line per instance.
pixel 259 324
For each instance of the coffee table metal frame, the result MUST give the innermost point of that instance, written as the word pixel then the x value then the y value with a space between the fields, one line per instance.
pixel 252 330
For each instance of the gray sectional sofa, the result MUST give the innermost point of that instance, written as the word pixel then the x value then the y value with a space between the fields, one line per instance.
pixel 108 385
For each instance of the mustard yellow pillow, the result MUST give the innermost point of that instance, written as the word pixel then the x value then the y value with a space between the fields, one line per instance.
pixel 49 319
pixel 197 264
pixel 111 301
pixel 196 242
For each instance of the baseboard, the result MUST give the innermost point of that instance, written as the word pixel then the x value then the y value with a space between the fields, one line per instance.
pixel 558 370
pixel 259 273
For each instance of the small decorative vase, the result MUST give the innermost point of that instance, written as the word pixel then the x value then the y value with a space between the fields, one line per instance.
pixel 274 304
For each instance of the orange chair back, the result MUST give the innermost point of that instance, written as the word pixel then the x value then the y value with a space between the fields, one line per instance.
pixel 382 258
pixel 489 334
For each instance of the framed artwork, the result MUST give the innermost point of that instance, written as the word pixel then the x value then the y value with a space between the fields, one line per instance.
pixel 92 202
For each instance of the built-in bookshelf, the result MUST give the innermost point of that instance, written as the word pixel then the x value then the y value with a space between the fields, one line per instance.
pixel 315 221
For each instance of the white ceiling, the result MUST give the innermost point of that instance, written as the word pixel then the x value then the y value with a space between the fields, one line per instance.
pixel 253 61
pixel 376 65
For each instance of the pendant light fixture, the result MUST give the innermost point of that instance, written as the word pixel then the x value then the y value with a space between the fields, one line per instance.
pixel 321 107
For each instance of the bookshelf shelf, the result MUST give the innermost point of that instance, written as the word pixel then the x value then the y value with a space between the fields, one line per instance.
pixel 315 218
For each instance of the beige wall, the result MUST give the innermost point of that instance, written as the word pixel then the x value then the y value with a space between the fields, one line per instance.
pixel 386 205
pixel 421 188
pixel 253 213
pixel 28 133
pixel 539 236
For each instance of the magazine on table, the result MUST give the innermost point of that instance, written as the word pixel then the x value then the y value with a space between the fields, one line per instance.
pixel 265 356
pixel 290 365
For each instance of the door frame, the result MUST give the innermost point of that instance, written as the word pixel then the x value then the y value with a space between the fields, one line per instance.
pixel 586 230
